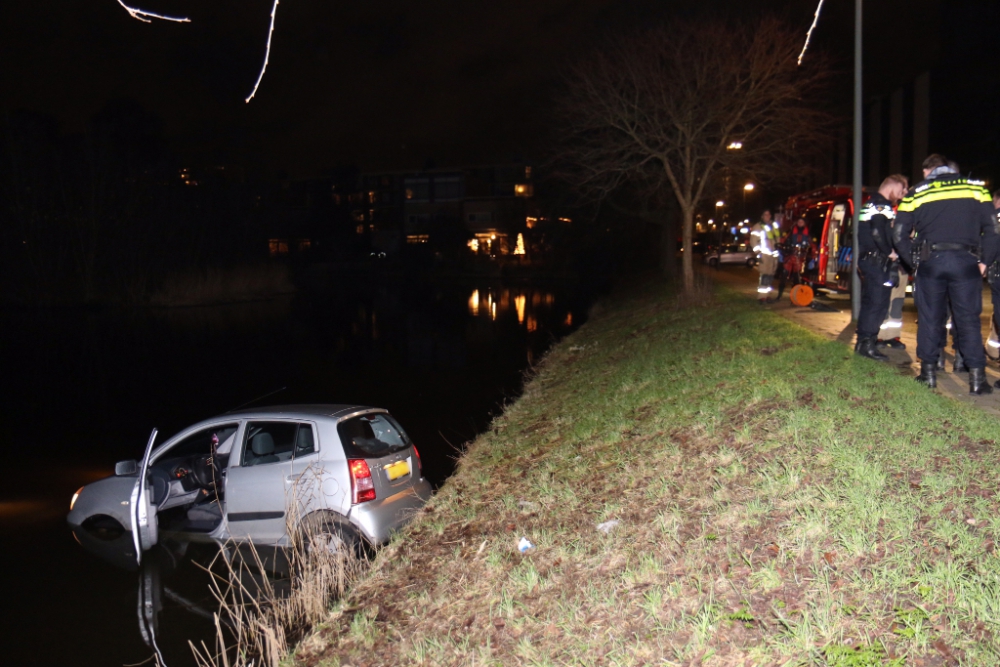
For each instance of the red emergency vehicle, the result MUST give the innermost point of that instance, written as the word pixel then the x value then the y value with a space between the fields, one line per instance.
pixel 828 212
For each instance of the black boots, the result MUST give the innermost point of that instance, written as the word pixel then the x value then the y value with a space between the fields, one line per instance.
pixel 978 384
pixel 959 366
pixel 928 374
pixel 866 347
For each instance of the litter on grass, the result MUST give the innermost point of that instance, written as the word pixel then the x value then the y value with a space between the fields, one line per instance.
pixel 608 526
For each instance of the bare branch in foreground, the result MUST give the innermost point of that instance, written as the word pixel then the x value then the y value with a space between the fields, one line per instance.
pixel 267 53
pixel 146 17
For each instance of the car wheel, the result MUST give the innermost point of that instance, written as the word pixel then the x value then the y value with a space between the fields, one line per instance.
pixel 328 536
pixel 713 262
pixel 752 262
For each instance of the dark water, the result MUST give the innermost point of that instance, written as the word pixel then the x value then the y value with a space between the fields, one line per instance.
pixel 82 390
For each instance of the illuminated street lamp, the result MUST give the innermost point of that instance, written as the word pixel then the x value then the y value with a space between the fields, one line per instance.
pixel 746 188
pixel 735 146
pixel 720 204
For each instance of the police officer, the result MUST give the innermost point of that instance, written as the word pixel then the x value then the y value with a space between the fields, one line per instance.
pixel 875 264
pixel 765 243
pixel 954 220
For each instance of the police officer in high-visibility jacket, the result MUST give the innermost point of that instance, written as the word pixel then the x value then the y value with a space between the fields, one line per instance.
pixel 765 234
pixel 876 263
pixel 956 237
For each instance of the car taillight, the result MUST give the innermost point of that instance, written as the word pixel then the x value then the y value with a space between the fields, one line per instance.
pixel 362 484
pixel 420 464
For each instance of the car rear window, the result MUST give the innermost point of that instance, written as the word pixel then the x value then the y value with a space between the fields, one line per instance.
pixel 372 436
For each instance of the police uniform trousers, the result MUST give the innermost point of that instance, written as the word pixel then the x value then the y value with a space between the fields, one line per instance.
pixel 875 295
pixel 950 275
pixel 892 325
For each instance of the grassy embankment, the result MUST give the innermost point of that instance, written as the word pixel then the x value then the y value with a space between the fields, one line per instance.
pixel 780 502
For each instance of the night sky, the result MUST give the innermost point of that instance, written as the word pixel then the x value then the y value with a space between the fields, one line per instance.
pixel 380 84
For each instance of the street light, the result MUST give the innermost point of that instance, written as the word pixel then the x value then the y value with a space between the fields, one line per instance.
pixel 746 188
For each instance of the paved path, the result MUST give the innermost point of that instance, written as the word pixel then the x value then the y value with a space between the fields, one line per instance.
pixel 833 319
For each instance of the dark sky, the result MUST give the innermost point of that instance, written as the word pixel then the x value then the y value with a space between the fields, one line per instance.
pixel 380 83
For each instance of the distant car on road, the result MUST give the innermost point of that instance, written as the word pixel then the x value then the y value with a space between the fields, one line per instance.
pixel 345 474
pixel 731 253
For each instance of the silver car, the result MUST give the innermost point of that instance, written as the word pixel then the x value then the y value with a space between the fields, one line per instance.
pixel 266 476
pixel 731 253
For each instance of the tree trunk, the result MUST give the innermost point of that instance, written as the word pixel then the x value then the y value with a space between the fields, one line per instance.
pixel 688 233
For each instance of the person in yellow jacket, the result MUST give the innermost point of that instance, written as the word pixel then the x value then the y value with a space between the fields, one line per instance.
pixel 765 235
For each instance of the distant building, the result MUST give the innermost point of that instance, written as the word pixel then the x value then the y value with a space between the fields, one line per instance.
pixel 484 208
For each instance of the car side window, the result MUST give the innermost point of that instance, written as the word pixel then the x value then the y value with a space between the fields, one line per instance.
pixel 201 442
pixel 305 443
pixel 268 442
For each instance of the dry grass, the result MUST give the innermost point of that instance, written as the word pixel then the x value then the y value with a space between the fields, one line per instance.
pixel 778 502
pixel 211 286
pixel 270 597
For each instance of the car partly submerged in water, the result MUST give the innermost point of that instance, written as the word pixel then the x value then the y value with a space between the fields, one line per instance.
pixel 269 476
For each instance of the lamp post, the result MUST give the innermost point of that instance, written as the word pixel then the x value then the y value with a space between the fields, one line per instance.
pixel 746 188
pixel 722 223
pixel 856 186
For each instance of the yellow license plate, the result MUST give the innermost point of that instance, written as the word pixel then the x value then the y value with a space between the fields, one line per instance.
pixel 397 469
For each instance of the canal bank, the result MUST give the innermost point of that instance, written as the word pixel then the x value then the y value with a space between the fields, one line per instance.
pixel 700 483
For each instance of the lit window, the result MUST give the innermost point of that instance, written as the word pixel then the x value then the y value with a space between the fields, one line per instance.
pixel 524 190
pixel 417 238
pixel 530 222
pixel 527 172
pixel 360 229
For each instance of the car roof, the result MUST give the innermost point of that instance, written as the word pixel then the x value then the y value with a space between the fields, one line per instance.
pixel 302 410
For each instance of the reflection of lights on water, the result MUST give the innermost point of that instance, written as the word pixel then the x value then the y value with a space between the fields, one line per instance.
pixel 474 303
pixel 519 303
pixel 493 310
pixel 532 323
pixel 568 322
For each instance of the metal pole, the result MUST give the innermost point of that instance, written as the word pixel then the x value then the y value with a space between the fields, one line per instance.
pixel 856 189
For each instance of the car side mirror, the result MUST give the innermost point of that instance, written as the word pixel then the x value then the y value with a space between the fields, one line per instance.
pixel 126 468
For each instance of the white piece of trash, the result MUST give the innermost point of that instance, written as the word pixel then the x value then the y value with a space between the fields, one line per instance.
pixel 524 546
pixel 608 526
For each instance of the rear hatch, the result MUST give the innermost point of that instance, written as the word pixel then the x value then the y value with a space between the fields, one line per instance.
pixel 379 440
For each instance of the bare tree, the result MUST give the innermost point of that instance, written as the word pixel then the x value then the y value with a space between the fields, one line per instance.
pixel 674 106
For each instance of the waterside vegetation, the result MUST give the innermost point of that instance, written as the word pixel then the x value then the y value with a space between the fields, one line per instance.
pixel 704 483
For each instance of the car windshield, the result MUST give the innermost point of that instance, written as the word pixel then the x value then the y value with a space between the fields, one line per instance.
pixel 372 436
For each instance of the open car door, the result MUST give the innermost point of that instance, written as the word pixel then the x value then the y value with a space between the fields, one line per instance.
pixel 144 527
